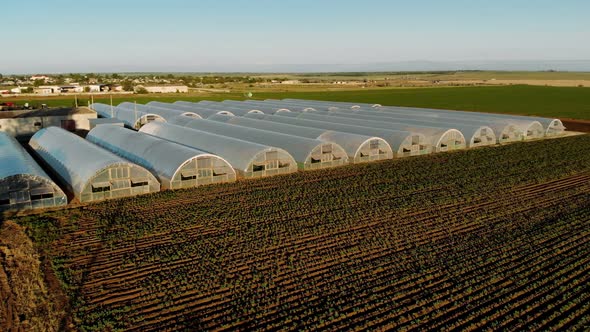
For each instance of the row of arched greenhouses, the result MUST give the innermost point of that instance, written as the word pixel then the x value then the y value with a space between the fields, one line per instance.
pixel 185 144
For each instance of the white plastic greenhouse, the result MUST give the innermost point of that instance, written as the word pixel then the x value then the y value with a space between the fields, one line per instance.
pixel 236 110
pixel 440 139
pixel 90 172
pixel 309 153
pixel 165 113
pixel 132 118
pixel 178 106
pixel 23 183
pixel 247 158
pixel 280 104
pixel 175 165
pixel 475 135
pixel 551 126
pixel 264 108
pixel 197 106
pixel 360 148
pixel 477 132
pixel 402 143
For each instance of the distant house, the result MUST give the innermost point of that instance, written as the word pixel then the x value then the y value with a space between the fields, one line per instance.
pixel 72 88
pixel 291 82
pixel 165 89
pixel 23 124
pixel 47 89
pixel 98 87
pixel 39 77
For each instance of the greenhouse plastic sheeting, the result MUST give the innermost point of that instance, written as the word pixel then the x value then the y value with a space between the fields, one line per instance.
pixel 353 144
pixel 403 143
pixel 266 109
pixel 23 183
pixel 132 118
pixel 439 139
pixel 304 150
pixel 476 135
pixel 552 126
pixel 179 106
pixel 163 158
pixel 165 113
pixel 81 164
pixel 239 153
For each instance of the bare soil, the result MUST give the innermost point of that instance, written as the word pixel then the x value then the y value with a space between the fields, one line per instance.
pixel 576 125
pixel 28 303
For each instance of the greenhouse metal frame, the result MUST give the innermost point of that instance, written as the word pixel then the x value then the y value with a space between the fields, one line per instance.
pixel 90 172
pixel 176 166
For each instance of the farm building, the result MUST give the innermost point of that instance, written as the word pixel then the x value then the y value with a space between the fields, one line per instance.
pixel 248 159
pixel 47 89
pixel 402 143
pixel 165 88
pixel 360 148
pixel 176 166
pixel 165 113
pixel 440 139
pixel 90 172
pixel 24 124
pixel 132 118
pixel 309 153
pixel 23 183
pixel 188 107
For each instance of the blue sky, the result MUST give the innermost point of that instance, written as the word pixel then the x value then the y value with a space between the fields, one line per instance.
pixel 241 35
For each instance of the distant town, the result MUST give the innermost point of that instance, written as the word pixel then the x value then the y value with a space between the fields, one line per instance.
pixel 45 85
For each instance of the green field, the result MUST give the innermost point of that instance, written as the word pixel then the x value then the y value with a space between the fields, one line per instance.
pixel 562 102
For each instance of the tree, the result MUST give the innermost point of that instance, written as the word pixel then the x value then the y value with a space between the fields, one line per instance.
pixel 127 85
pixel 141 89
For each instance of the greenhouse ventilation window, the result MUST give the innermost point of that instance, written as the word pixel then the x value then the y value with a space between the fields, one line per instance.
pixel 139 183
pixel 257 168
pixel 101 186
pixel 41 196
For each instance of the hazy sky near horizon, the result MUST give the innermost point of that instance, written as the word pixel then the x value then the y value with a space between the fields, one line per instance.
pixel 201 35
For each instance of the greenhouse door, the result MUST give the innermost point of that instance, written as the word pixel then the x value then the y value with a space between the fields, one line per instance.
pixel 69 125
